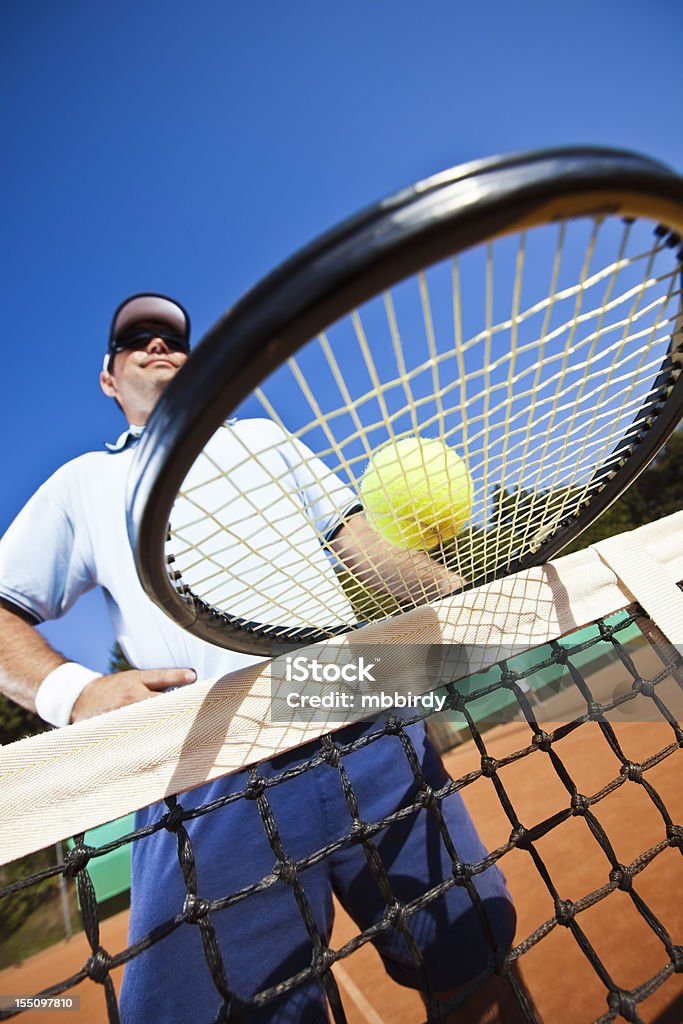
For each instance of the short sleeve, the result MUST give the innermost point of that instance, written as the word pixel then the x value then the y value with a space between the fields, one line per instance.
pixel 326 498
pixel 42 568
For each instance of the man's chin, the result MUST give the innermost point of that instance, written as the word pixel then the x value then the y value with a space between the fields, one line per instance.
pixel 162 365
pixel 161 374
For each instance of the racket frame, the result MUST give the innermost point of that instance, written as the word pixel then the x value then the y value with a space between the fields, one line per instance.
pixel 413 229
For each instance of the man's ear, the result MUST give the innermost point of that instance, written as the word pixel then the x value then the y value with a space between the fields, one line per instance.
pixel 108 384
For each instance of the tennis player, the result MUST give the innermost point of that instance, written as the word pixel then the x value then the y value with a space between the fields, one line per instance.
pixel 70 538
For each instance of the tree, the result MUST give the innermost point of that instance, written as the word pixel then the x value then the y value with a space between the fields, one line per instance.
pixel 118 662
pixel 658 492
pixel 16 722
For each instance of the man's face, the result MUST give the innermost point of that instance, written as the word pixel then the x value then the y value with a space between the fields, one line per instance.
pixel 137 376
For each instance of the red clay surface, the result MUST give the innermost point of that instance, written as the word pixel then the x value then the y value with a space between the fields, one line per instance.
pixel 563 983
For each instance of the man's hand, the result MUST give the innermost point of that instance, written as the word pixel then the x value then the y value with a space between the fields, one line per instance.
pixel 115 691
pixel 410 577
pixel 26 658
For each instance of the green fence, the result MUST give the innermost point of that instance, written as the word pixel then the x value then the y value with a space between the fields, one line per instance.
pixel 110 873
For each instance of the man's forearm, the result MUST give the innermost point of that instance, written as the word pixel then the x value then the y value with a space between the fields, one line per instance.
pixel 26 658
pixel 410 577
pixel 74 693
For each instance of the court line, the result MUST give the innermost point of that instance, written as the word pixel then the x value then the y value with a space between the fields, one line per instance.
pixel 370 1015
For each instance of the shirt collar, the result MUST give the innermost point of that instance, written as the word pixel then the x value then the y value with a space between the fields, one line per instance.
pixel 132 436
pixel 129 437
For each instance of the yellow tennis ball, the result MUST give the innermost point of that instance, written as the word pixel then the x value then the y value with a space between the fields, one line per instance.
pixel 416 492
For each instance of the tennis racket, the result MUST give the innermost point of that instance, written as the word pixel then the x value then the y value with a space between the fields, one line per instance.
pixel 525 311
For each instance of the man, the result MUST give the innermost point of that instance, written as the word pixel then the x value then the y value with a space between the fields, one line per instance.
pixel 79 516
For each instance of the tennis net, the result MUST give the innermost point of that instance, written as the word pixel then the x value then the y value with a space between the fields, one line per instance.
pixel 567 725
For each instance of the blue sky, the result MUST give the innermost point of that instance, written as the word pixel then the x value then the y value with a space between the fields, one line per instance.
pixel 188 149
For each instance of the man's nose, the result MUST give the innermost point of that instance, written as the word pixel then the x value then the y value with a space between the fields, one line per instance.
pixel 157 345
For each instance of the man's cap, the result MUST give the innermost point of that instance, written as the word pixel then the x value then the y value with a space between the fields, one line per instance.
pixel 147 307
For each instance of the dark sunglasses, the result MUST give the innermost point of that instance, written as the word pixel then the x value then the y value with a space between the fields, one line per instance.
pixel 175 342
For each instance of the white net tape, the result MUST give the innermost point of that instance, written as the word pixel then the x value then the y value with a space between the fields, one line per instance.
pixel 60 783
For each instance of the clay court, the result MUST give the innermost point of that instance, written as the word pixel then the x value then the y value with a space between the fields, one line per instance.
pixel 560 978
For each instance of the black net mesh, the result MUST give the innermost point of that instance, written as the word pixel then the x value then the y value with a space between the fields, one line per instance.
pixel 525 836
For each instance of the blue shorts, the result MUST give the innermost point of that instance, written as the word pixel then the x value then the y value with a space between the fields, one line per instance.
pixel 263 939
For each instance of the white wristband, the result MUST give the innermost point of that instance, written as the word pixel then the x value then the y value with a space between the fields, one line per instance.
pixel 60 690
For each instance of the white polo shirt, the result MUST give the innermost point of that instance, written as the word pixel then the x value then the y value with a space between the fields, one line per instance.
pixel 71 536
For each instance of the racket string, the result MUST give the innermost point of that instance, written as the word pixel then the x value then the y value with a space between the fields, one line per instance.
pixel 541 399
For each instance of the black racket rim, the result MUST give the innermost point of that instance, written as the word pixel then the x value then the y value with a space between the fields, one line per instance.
pixel 411 230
